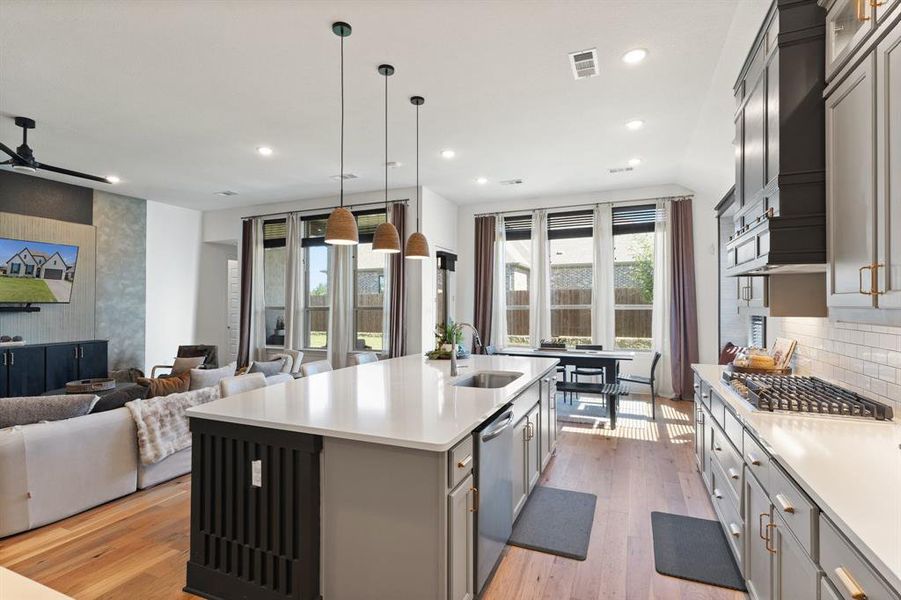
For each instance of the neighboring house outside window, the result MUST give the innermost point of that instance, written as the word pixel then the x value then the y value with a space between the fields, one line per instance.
pixel 633 264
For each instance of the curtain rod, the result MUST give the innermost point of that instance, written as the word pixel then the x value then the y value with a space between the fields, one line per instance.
pixel 583 205
pixel 322 208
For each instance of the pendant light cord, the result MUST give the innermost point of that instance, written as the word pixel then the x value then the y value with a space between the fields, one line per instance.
pixel 386 144
pixel 341 162
pixel 418 203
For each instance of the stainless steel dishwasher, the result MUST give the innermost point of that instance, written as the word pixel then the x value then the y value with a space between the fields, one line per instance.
pixel 494 479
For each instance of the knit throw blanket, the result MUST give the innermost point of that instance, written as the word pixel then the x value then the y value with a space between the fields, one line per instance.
pixel 162 425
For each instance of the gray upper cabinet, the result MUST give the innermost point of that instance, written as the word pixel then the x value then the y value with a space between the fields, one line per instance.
pixel 850 131
pixel 753 156
pixel 888 168
pixel 847 24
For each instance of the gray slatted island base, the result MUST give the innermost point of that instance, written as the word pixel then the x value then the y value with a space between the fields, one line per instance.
pixel 359 483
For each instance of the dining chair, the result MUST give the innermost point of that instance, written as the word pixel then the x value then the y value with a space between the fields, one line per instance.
pixel 646 381
pixel 490 350
pixel 316 366
pixel 589 371
pixel 361 358
pixel 561 369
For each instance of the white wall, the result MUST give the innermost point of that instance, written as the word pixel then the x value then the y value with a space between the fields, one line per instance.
pixel 173 262
pixel 708 166
pixel 439 224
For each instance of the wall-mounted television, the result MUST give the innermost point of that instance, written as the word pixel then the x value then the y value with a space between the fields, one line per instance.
pixel 36 272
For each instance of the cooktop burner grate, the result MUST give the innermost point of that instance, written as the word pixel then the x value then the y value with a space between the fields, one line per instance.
pixel 795 393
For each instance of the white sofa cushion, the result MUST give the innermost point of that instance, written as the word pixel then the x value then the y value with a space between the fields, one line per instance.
pixel 201 378
pixel 25 410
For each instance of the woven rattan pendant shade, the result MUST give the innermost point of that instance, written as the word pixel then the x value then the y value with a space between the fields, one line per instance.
pixel 417 246
pixel 386 239
pixel 341 228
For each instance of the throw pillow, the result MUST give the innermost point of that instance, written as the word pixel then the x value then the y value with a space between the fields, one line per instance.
pixel 267 368
pixel 25 410
pixel 163 386
pixel 202 378
pixel 183 364
pixel 125 392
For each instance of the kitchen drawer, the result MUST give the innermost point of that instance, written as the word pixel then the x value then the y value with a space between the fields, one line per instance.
pixel 733 525
pixel 846 569
pixel 722 493
pixel 728 459
pixel 827 591
pixel 459 462
pixel 757 459
pixel 734 429
pixel 793 505
pixel 717 407
pixel 703 393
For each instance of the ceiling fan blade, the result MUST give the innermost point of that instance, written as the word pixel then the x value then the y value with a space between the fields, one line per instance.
pixel 62 171
pixel 11 152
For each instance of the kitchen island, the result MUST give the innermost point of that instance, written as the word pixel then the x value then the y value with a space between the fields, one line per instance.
pixel 361 482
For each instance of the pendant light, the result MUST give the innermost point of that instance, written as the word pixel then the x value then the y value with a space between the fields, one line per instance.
pixel 417 245
pixel 386 239
pixel 341 227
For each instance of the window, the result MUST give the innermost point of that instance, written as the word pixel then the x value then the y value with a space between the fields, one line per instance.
pixel 369 284
pixel 633 265
pixel 571 257
pixel 29 269
pixel 274 280
pixel 14 268
pixel 518 267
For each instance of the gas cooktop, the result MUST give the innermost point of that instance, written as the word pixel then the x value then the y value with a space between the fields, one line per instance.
pixel 801 394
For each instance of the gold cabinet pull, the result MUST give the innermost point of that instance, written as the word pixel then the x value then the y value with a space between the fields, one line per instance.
pixel 876 267
pixel 876 3
pixel 770 538
pixel 717 494
pixel 760 525
pixel 860 280
pixel 862 11
pixel 735 529
pixel 475 499
pixel 733 474
pixel 785 504
pixel 752 458
pixel 854 589
pixel 465 462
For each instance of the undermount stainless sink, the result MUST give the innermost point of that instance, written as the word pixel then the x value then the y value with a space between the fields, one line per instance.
pixel 488 379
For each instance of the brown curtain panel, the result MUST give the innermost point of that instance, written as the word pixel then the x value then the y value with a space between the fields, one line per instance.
pixel 397 338
pixel 246 293
pixel 484 276
pixel 683 306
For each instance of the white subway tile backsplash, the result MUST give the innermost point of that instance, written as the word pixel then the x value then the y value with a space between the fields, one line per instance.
pixel 863 358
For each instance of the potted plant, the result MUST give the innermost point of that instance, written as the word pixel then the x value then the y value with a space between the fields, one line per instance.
pixel 448 338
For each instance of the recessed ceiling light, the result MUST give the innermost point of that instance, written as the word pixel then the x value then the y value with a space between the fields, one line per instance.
pixel 264 151
pixel 448 153
pixel 633 57
pixel 482 180
pixel 113 179
pixel 634 162
pixel 635 124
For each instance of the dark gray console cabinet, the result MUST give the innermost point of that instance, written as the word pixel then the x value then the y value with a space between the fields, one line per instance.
pixel 34 369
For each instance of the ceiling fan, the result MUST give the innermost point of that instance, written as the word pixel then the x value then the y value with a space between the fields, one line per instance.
pixel 22 160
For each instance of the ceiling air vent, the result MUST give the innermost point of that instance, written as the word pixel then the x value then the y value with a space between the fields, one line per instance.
pixel 511 182
pixel 584 63
pixel 345 176
pixel 621 170
pixel 227 193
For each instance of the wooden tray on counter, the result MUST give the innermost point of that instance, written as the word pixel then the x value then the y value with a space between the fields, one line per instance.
pixel 756 371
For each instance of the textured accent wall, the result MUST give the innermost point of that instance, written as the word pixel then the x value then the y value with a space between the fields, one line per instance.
pixel 55 322
pixel 121 287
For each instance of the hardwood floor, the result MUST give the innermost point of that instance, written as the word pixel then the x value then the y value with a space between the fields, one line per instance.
pixel 136 547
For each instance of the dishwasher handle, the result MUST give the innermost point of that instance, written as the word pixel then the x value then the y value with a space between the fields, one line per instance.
pixel 500 424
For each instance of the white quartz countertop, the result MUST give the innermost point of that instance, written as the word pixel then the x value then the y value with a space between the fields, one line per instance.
pixel 408 401
pixel 850 467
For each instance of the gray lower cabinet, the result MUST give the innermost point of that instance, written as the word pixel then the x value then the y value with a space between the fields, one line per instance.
pixel 795 575
pixel 460 508
pixel 545 438
pixel 827 592
pixel 533 448
pixel 519 465
pixel 758 558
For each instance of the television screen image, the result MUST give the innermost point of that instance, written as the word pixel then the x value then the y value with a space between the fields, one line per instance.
pixel 36 272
